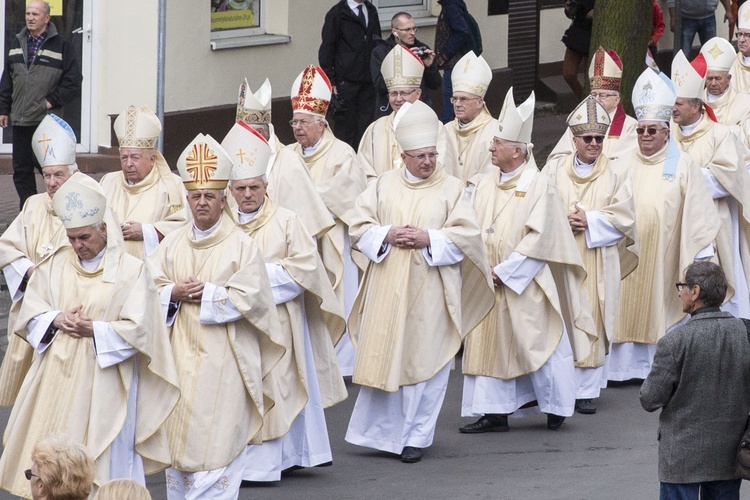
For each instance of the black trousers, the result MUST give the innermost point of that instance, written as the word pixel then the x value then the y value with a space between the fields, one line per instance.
pixel 24 162
pixel 359 104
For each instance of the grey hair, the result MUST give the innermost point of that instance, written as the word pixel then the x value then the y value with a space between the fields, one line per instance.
pixel 73 168
pixel 399 15
pixel 263 177
pixel 694 101
pixel 98 225
pixel 711 280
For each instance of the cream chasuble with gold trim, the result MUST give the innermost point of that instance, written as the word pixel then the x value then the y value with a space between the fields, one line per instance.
pixel 607 189
pixel 522 331
pixel 471 144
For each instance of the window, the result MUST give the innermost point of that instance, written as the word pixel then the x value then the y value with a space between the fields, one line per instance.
pixel 235 18
pixel 387 8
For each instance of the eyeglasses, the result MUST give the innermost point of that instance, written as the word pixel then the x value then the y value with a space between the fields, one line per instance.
pixel 422 156
pixel 401 93
pixel 588 138
pixel 462 100
pixel 743 34
pixel 597 95
pixel 413 29
pixel 680 286
pixel 650 130
pixel 29 474
pixel 301 123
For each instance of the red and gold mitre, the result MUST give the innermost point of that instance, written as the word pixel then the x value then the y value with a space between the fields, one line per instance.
pixel 311 92
pixel 605 70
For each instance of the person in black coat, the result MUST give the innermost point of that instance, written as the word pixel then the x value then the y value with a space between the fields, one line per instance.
pixel 350 31
pixel 577 39
pixel 403 32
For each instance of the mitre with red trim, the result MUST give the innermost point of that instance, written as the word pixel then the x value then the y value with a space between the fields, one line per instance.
pixel 605 70
pixel 311 92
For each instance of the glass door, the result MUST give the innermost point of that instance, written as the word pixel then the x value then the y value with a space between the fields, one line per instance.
pixel 72 18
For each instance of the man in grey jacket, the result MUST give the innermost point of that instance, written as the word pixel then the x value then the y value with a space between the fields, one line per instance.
pixel 41 74
pixel 698 16
pixel 701 380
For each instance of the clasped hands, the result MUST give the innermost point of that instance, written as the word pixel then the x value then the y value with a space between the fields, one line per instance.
pixel 187 290
pixel 408 237
pixel 577 220
pixel 75 323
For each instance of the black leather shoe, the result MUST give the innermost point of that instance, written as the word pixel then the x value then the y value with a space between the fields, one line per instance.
pixel 487 423
pixel 411 455
pixel 585 406
pixel 554 421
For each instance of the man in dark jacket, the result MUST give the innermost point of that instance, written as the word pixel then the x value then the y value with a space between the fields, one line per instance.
pixel 451 34
pixel 41 74
pixel 403 32
pixel 701 380
pixel 350 31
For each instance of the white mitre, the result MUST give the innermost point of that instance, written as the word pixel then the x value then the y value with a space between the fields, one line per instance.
pixel 254 107
pixel 79 205
pixel 743 17
pixel 204 164
pixel 471 74
pixel 54 142
pixel 402 68
pixel 137 127
pixel 249 151
pixel 589 116
pixel 416 126
pixel 719 54
pixel 311 92
pixel 515 123
pixel 688 82
pixel 653 97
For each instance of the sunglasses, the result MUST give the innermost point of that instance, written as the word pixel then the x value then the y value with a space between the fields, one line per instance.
pixel 650 130
pixel 29 474
pixel 588 138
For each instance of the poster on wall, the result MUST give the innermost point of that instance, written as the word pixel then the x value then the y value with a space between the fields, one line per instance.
pixel 234 14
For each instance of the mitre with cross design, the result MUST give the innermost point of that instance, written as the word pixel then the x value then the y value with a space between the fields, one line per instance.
pixel 311 92
pixel 471 74
pixel 653 97
pixel 204 164
pixel 137 127
pixel 743 17
pixel 54 142
pixel 515 123
pixel 719 54
pixel 255 107
pixel 79 204
pixel 249 151
pixel 688 78
pixel 589 117
pixel 402 68
pixel 605 70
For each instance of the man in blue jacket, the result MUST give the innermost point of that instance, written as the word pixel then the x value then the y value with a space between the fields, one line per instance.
pixel 451 35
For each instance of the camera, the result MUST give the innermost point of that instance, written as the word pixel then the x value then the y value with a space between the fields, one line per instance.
pixel 421 52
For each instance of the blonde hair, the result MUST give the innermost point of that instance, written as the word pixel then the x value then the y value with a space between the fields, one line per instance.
pixel 122 488
pixel 65 469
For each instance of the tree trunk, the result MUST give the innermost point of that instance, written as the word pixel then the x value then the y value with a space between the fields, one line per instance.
pixel 624 26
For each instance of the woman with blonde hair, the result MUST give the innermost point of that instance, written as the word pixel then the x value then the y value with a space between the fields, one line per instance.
pixel 122 488
pixel 60 470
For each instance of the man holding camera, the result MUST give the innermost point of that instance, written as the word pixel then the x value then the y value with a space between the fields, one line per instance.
pixel 404 33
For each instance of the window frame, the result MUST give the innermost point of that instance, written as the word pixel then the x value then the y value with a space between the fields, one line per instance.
pixel 417 12
pixel 244 32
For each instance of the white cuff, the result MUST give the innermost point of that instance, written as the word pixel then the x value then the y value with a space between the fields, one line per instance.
pixel 706 253
pixel 600 233
pixel 283 287
pixel 110 348
pixel 371 243
pixel 714 187
pixel 518 271
pixel 216 306
pixel 150 238
pixel 14 273
pixel 442 251
pixel 37 328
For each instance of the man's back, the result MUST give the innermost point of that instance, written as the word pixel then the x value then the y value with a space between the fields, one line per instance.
pixel 701 381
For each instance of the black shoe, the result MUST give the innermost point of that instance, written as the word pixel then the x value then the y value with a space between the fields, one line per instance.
pixel 554 421
pixel 585 406
pixel 487 423
pixel 411 455
pixel 325 464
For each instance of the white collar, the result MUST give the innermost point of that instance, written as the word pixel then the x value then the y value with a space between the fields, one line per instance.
pixel 245 218
pixel 506 176
pixel 688 129
pixel 200 234
pixel 355 7
pixel 746 59
pixel 712 98
pixel 582 169
pixel 92 264
pixel 308 151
